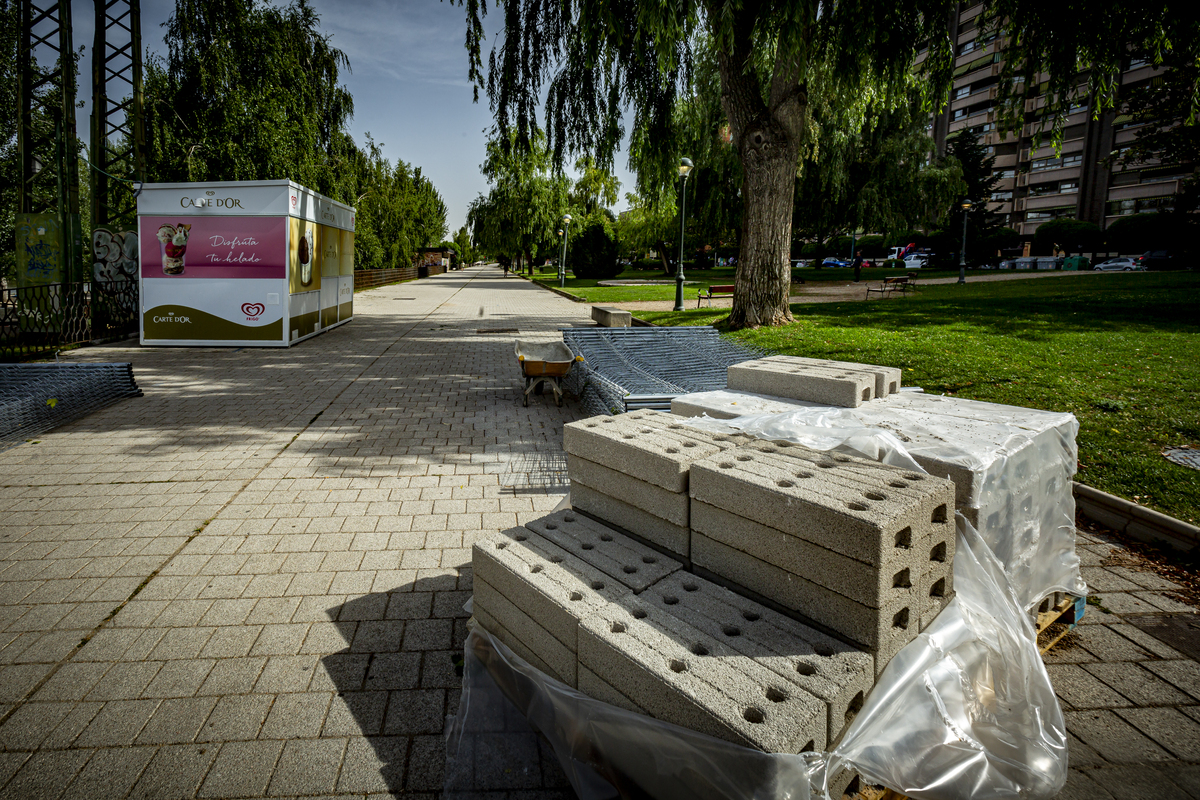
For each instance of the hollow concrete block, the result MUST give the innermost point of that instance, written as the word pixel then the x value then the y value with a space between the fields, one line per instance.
pixel 653 530
pixel 833 386
pixel 887 379
pixel 616 555
pixel 514 643
pixel 597 688
pixel 671 506
pixel 524 629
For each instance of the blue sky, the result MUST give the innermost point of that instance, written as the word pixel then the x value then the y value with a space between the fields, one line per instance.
pixel 408 77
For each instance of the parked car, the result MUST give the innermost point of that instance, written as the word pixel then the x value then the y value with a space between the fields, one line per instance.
pixel 1122 264
pixel 915 261
pixel 834 262
pixel 1158 259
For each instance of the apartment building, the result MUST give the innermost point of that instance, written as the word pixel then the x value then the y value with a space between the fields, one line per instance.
pixel 1038 184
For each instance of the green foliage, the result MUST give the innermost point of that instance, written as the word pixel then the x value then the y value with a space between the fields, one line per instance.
pixel 998 240
pixel 813 250
pixel 1068 235
pixel 250 91
pixel 10 29
pixel 978 173
pixel 871 246
pixel 593 254
pixel 1138 233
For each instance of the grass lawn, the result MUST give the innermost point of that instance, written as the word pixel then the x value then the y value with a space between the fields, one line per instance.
pixel 1121 352
pixel 588 291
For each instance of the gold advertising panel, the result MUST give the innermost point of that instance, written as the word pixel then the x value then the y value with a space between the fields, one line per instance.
pixel 347 261
pixel 330 242
pixel 304 256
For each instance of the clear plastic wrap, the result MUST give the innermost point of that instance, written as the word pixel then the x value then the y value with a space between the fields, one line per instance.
pixel 965 711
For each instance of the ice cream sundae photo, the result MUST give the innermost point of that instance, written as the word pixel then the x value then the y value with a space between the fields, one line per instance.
pixel 173 240
pixel 304 255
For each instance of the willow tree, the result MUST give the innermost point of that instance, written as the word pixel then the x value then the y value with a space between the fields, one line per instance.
pixel 593 59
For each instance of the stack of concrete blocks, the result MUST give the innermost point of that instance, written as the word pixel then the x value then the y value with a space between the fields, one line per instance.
pixel 631 471
pixel 812 380
pixel 858 548
pixel 1011 467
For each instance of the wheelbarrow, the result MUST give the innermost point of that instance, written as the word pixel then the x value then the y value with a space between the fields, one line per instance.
pixel 542 363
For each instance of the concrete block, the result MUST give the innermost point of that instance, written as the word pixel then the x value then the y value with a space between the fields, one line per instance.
pixel 859 508
pixel 549 584
pixel 869 584
pixel 831 670
pixel 609 317
pixel 880 631
pixel 727 404
pixel 514 643
pixel 645 526
pixel 833 386
pixel 671 506
pixel 597 688
pixel 887 379
pixel 616 555
pixel 523 627
pixel 680 675
pixel 652 446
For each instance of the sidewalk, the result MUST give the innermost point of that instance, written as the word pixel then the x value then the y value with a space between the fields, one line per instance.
pixel 249 582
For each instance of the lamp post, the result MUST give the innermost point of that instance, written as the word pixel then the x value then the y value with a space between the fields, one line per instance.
pixel 561 241
pixel 962 256
pixel 562 261
pixel 685 166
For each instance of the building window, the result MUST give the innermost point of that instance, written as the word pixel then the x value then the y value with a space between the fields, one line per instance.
pixel 1068 186
pixel 963 92
pixel 1001 196
pixel 1072 161
pixel 1049 213
pixel 966 47
pixel 1140 205
pixel 1042 164
pixel 1005 173
pixel 959 114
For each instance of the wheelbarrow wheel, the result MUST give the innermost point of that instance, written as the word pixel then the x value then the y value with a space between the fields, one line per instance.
pixel 558 399
pixel 525 400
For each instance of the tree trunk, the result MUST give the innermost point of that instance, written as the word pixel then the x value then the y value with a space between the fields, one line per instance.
pixel 764 276
pixel 662 253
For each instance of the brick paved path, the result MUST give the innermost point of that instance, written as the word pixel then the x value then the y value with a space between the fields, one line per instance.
pixel 249 582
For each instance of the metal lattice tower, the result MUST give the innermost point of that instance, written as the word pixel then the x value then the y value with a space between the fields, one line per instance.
pixel 118 134
pixel 46 135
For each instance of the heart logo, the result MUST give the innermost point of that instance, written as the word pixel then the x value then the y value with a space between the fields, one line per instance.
pixel 253 309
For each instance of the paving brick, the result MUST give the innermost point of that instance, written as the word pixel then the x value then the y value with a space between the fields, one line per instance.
pixel 1081 689
pixel 174 772
pixel 1113 738
pixel 296 716
pixel 45 774
pixel 647 527
pixel 235 717
pixel 241 769
pixel 835 386
pixel 415 712
pixel 307 768
pixel 110 773
pixel 1177 733
pixel 117 724
pixel 1141 686
pixel 177 721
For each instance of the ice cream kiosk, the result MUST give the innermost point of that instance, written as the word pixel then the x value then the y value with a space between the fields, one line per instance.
pixel 245 263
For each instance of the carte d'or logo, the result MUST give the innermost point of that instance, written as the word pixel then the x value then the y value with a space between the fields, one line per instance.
pixel 171 316
pixel 253 310
pixel 210 202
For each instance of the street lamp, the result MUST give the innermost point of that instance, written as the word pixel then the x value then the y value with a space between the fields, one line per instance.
pixel 962 256
pixel 685 166
pixel 562 261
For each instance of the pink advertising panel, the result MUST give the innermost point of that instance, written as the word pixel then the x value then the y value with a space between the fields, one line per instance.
pixel 214 247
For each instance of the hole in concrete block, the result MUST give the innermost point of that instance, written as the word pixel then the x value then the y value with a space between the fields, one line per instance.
pixel 854 707
pixel 645 430
pixel 649 560
pixel 808 748
pixel 939 514
pixel 783 444
pixel 725 465
pixel 587 546
pixel 568 518
pixel 823 650
pixel 520 537
pixel 938 589
pixel 689 444
pixel 1042 609
pixel 606 537
pixel 670 599
pixel 576 596
pixel 776 695
pixel 854 505
pixel 590 425
pixel 556 559
pixel 866 394
pixel 826 465
pixel 875 495
pixel 638 613
pixel 536 568
pixel 912 476
pixel 804 474
pixel 900 620
pixel 673 428
pixel 750 616
pixel 784 484
pixel 618 627
pixel 754 715
pixel 769 449
pixel 597 585
pixel 550 526
pixel 744 458
pixel 804 668
pixel 841 459
pixel 607 421
pixel 938 553
pixel 699 649
pixel 901 580
pixel 628 436
pixel 904 538
pixel 678 665
pixel 898 484
pixel 892 387
pixel 730 630
pixel 629 570
pixel 672 450
pixel 688 586
pixel 501 545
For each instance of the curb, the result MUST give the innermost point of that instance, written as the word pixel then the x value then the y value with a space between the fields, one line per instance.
pixel 637 322
pixel 1137 522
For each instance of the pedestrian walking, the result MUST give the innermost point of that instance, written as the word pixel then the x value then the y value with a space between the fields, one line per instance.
pixel 858 262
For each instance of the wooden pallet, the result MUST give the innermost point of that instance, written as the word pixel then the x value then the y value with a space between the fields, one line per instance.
pixel 1058 615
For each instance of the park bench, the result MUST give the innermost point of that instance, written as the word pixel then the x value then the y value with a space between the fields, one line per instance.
pixel 713 291
pixel 891 286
